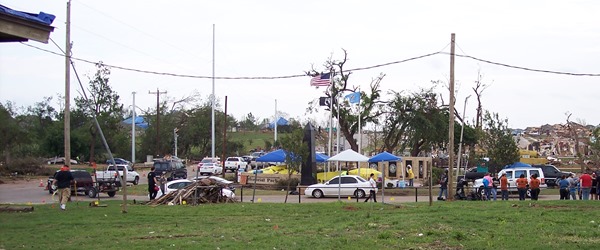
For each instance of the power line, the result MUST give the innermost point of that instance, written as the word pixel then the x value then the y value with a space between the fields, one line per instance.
pixel 524 68
pixel 304 75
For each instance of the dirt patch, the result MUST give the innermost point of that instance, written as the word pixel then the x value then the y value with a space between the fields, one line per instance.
pixel 350 208
pixel 150 237
pixel 441 245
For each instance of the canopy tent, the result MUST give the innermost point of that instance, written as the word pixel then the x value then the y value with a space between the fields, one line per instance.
pixel 384 156
pixel 139 121
pixel 518 165
pixel 280 122
pixel 280 154
pixel 349 155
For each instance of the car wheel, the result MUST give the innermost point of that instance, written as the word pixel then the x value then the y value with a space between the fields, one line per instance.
pixel 481 191
pixel 92 192
pixel 136 180
pixel 317 193
pixel 111 193
pixel 359 193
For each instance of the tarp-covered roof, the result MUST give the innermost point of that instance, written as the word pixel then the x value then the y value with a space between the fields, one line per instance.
pixel 19 26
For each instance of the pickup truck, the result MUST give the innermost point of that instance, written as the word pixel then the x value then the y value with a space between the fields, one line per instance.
pixel 551 173
pixel 111 172
pixel 234 163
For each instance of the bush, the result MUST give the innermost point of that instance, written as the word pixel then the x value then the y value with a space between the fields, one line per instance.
pixel 283 183
pixel 24 166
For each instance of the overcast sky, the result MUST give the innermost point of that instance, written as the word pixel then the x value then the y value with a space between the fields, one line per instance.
pixel 281 38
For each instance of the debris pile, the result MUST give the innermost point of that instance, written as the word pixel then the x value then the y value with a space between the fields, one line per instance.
pixel 202 191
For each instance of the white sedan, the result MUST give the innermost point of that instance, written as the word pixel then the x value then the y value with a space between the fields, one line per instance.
pixel 210 168
pixel 173 186
pixel 351 185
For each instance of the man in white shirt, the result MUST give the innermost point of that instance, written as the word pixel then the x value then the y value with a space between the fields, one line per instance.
pixel 373 191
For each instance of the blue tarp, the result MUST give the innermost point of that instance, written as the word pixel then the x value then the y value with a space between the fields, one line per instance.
pixel 139 121
pixel 42 17
pixel 384 156
pixel 321 157
pixel 281 122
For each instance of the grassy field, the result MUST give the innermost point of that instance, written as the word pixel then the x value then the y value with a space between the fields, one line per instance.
pixel 336 225
pixel 251 139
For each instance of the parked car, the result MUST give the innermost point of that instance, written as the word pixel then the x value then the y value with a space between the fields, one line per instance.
pixel 60 160
pixel 84 182
pixel 171 168
pixel 210 168
pixel 247 159
pixel 552 174
pixel 118 161
pixel 208 160
pixel 175 185
pixel 351 185
pixel 234 163
pixel 512 174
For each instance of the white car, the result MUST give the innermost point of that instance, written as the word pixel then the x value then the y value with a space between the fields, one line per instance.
pixel 351 185
pixel 173 186
pixel 210 168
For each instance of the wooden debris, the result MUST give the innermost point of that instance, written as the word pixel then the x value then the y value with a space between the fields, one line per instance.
pixel 199 192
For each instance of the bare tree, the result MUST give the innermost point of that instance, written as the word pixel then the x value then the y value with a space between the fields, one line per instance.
pixel 478 89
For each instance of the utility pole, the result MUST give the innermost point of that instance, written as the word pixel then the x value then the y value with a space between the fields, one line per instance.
pixel 451 123
pixel 213 99
pixel 462 130
pixel 157 93
pixel 67 115
pixel 223 158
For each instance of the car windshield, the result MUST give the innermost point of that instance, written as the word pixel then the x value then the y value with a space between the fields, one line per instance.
pixel 233 159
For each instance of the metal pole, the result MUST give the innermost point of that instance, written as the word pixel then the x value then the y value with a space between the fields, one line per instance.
pixel 330 138
pixel 275 121
pixel 67 113
pixel 133 129
pixel 462 130
pixel 157 149
pixel 175 138
pixel 213 97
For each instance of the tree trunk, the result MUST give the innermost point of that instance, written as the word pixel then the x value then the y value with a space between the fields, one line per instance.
pixel 92 144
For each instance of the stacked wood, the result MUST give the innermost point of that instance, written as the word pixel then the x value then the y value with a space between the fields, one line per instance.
pixel 199 192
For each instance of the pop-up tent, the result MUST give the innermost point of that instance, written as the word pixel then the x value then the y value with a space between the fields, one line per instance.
pixel 280 122
pixel 139 121
pixel 280 154
pixel 349 155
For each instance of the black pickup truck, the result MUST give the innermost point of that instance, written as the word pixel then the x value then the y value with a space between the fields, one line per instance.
pixel 551 174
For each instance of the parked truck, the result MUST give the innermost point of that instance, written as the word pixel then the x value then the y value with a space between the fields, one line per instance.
pixel 111 171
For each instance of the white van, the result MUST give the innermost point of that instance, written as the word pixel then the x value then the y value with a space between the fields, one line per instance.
pixel 512 174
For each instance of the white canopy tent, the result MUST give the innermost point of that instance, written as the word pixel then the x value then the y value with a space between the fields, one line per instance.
pixel 348 155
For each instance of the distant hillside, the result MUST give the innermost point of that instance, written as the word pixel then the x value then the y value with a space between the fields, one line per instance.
pixel 253 140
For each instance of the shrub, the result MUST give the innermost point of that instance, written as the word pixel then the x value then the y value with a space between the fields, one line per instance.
pixel 283 183
pixel 24 166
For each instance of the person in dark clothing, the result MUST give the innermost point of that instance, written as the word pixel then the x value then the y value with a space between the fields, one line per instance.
pixel 443 186
pixel 62 181
pixel 152 187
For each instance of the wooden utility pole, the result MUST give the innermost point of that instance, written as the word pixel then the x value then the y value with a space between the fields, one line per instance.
pixel 157 93
pixel 451 124
pixel 67 115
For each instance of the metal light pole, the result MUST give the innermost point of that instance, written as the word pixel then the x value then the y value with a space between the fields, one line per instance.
pixel 462 130
pixel 175 135
pixel 212 97
pixel 133 130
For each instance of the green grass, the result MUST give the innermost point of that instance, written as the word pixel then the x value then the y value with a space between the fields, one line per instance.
pixel 335 225
pixel 251 139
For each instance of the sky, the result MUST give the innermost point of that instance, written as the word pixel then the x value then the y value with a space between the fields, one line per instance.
pixel 286 38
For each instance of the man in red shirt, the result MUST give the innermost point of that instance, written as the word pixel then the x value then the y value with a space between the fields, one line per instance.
pixel 504 187
pixel 585 181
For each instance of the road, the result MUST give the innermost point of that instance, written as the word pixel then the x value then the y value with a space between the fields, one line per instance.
pixel 29 191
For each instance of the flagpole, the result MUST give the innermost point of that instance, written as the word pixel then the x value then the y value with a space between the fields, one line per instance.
pixel 359 123
pixel 330 122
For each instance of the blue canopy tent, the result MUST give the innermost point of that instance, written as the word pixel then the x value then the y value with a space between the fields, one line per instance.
pixel 280 122
pixel 518 165
pixel 385 156
pixel 280 154
pixel 139 121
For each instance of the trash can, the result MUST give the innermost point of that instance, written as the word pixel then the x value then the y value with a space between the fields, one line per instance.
pixel 243 179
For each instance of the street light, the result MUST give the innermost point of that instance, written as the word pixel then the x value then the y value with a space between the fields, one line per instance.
pixel 175 135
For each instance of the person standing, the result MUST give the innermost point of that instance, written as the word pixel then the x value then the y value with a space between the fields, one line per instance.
pixel 504 187
pixel 522 187
pixel 564 186
pixel 443 186
pixel 411 176
pixel 373 190
pixel 152 184
pixel 534 186
pixel 573 186
pixel 585 182
pixel 62 181
pixel 487 185
pixel 598 186
pixel 594 190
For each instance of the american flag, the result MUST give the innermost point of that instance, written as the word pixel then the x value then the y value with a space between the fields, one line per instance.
pixel 321 80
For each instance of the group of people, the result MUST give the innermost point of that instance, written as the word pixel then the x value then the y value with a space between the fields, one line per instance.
pixel 584 187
